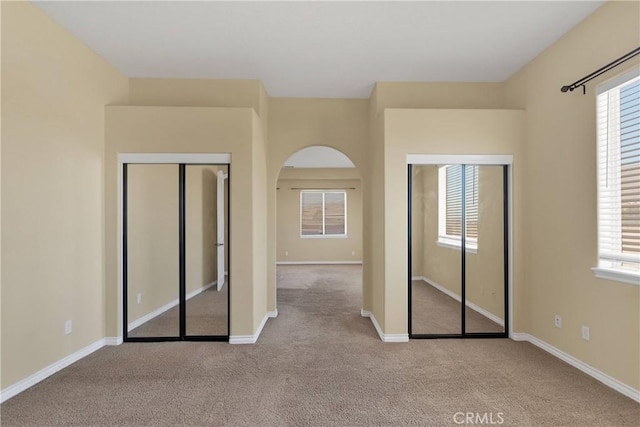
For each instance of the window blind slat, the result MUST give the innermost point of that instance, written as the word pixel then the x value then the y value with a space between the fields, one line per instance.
pixel 618 133
pixel 453 208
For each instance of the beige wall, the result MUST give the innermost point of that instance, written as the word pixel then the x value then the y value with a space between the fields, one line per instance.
pixel 296 123
pixel 201 210
pixel 373 269
pixel 152 239
pixel 203 93
pixel 259 224
pixel 196 93
pixel 293 248
pixel 560 203
pixel 53 94
pixel 442 265
pixel 201 203
pixel 195 130
pixel 437 95
pixel 1 107
pixel 410 131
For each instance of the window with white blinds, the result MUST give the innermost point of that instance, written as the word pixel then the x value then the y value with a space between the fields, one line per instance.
pixel 323 213
pixel 450 206
pixel 618 129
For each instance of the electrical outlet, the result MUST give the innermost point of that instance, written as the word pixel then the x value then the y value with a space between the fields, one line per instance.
pixel 558 321
pixel 67 327
pixel 286 253
pixel 585 333
pixel 353 253
pixel 139 298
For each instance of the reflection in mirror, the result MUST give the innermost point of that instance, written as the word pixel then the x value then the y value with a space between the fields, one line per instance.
pixel 435 252
pixel 206 241
pixel 485 281
pixel 152 250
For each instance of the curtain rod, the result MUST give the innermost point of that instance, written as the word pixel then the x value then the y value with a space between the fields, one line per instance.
pixel 585 79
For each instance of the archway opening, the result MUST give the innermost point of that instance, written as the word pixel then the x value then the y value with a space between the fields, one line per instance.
pixel 319 236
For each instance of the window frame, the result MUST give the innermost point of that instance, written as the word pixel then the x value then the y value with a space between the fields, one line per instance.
pixel 446 240
pixel 602 270
pixel 324 235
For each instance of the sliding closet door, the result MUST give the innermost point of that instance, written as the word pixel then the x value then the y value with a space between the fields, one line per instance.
pixel 485 249
pixel 435 293
pixel 206 231
pixel 151 243
pixel 458 251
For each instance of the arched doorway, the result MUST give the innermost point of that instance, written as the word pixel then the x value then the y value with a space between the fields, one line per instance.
pixel 319 235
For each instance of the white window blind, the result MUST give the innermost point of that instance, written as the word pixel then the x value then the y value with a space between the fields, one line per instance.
pixel 618 129
pixel 450 205
pixel 323 213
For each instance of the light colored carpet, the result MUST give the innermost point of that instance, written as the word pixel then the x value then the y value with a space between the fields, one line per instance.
pixel 434 312
pixel 319 364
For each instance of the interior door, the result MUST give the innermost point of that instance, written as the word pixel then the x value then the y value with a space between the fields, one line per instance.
pixel 220 228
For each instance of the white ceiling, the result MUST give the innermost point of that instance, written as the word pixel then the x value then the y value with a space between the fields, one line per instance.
pixel 318 157
pixel 320 49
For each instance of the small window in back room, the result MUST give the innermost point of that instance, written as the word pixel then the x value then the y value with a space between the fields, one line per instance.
pixel 618 130
pixel 323 214
pixel 450 206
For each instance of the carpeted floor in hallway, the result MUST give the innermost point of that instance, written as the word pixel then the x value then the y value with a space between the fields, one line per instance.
pixel 320 364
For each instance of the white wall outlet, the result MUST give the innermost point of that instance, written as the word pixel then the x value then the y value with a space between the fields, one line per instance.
pixel 67 327
pixel 139 298
pixel 353 253
pixel 585 333
pixel 286 253
pixel 558 321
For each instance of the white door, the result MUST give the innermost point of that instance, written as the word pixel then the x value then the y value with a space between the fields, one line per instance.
pixel 220 228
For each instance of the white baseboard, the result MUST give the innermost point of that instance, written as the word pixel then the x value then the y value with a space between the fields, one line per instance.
pixel 318 262
pixel 113 340
pixel 42 374
pixel 457 297
pixel 149 316
pixel 155 313
pixel 251 339
pixel 607 380
pixel 384 337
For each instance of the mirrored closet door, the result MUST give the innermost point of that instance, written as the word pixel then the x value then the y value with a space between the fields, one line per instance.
pixel 458 241
pixel 175 252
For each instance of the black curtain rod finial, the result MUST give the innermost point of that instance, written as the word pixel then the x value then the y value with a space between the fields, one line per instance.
pixel 565 89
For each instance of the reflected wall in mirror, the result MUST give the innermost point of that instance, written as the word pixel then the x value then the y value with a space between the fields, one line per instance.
pixel 152 250
pixel 485 281
pixel 436 262
pixel 206 241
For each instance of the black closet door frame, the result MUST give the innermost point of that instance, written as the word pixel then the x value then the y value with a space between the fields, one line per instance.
pixel 434 160
pixel 182 161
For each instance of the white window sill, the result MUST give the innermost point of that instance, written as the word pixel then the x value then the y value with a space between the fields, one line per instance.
pixel 325 236
pixel 617 275
pixel 453 244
